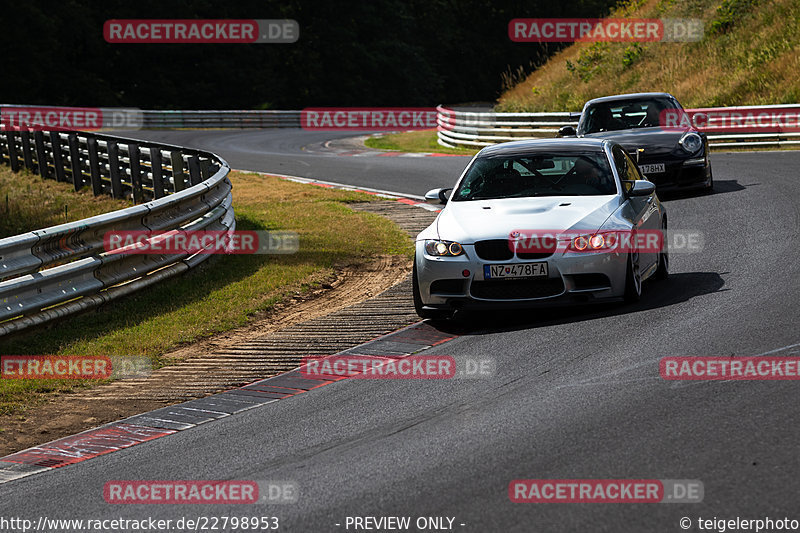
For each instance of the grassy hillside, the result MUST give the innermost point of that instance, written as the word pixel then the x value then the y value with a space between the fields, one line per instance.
pixel 750 55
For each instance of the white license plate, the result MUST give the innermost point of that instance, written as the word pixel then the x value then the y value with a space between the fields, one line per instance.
pixel 652 168
pixel 516 270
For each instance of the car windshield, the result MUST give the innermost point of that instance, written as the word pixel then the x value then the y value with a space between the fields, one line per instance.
pixel 624 115
pixel 567 174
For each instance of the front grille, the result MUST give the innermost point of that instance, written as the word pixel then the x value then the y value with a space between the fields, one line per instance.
pixel 516 289
pixel 452 286
pixel 494 250
pixel 533 255
pixel 499 250
pixel 590 281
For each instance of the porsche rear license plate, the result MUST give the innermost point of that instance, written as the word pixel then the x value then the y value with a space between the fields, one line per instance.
pixel 516 270
pixel 652 168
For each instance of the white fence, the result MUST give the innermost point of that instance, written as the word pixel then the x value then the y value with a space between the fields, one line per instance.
pixel 471 129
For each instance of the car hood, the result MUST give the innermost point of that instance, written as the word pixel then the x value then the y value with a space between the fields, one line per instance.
pixel 655 141
pixel 474 220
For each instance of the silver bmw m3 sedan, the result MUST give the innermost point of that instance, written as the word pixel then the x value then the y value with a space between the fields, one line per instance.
pixel 541 222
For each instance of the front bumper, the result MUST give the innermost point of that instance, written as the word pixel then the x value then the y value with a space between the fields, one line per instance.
pixel 573 278
pixel 681 174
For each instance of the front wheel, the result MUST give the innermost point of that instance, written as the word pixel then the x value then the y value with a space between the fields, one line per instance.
pixel 663 257
pixel 633 281
pixel 710 186
pixel 423 313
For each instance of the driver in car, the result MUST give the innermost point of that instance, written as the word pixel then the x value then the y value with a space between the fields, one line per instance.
pixel 587 173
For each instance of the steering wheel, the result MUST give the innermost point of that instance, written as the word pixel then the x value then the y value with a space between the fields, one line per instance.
pixel 539 175
pixel 571 172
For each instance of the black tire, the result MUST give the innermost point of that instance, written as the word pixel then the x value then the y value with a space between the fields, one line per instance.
pixel 662 272
pixel 633 283
pixel 423 313
pixel 710 187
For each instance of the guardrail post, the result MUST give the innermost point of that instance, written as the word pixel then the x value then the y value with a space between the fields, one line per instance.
pixel 58 162
pixel 94 166
pixel 136 173
pixel 113 170
pixel 41 154
pixel 156 165
pixel 194 170
pixel 178 177
pixel 75 161
pixel 12 151
pixel 27 156
pixel 205 169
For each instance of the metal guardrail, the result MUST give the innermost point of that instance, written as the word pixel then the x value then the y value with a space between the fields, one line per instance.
pixel 479 128
pixel 109 118
pixel 219 119
pixel 50 273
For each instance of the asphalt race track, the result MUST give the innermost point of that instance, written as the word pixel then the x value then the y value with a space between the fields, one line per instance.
pixel 303 153
pixel 576 393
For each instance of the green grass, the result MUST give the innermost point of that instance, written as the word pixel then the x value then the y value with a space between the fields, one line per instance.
pixel 28 202
pixel 414 141
pixel 226 291
pixel 748 56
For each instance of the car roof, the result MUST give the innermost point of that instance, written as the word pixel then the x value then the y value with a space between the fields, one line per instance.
pixel 532 146
pixel 631 96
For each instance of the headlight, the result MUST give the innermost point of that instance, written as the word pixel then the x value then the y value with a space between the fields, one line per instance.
pixel 691 142
pixel 443 248
pixel 588 242
pixel 591 243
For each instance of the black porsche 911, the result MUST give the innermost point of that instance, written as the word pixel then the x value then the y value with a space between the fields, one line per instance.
pixel 674 158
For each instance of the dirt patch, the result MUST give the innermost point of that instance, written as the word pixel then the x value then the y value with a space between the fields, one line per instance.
pixel 359 301
pixel 350 284
pixel 67 414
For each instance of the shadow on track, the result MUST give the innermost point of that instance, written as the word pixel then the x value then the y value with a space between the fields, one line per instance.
pixel 720 187
pixel 657 294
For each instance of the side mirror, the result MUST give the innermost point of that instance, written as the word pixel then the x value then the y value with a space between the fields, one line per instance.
pixel 567 131
pixel 438 196
pixel 641 188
